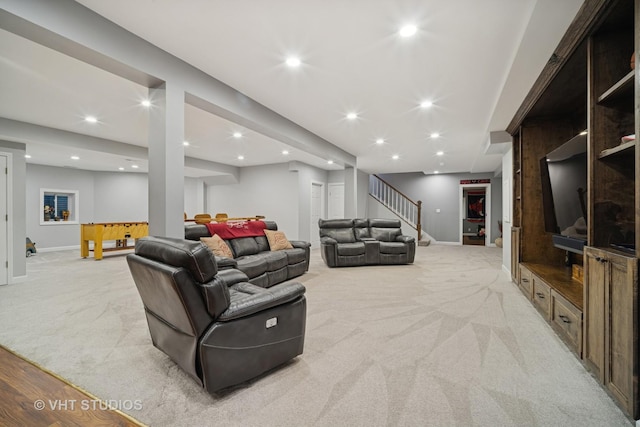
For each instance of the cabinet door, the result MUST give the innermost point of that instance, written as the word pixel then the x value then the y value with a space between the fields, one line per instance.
pixel 515 254
pixel 594 313
pixel 610 323
pixel 620 339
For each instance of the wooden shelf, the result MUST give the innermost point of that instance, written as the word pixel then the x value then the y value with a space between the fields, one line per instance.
pixel 623 148
pixel 559 278
pixel 622 89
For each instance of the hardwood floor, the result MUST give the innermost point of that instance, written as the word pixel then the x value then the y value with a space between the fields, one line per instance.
pixel 31 396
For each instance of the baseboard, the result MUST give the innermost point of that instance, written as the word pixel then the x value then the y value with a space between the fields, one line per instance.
pixel 59 248
pixel 18 279
pixel 440 242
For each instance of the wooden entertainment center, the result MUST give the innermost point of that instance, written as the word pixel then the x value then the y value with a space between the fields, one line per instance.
pixel 588 84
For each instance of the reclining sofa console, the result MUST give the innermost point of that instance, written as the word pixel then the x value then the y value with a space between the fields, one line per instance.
pixel 354 242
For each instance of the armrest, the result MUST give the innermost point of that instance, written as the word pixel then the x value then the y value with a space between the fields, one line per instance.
pixel 216 291
pixel 261 300
pixel 328 241
pixel 223 262
pixel 405 239
pixel 299 244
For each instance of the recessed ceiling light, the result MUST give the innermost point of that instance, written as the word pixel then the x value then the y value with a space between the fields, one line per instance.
pixel 293 62
pixel 285 152
pixel 379 141
pixel 146 103
pixel 120 168
pixel 330 162
pixel 426 104
pixel 436 172
pixel 185 143
pixel 237 135
pixel 90 119
pixel 27 156
pixel 241 157
pixel 134 166
pixel 408 30
pixel 352 116
pixel 440 153
pixel 435 135
pixel 395 157
pixel 75 158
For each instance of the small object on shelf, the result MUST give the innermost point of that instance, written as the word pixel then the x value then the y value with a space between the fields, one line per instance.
pixel 628 138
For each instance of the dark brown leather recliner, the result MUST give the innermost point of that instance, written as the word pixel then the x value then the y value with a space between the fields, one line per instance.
pixel 216 326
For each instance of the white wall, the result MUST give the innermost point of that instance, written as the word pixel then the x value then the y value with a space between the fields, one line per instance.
pixel 194 196
pixel 120 197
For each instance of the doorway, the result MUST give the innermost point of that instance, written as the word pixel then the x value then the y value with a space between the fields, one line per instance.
pixel 336 201
pixel 4 225
pixel 475 208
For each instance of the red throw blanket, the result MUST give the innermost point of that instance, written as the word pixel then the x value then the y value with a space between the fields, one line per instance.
pixel 235 229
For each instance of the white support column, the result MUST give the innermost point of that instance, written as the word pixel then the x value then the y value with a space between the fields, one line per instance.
pixel 166 161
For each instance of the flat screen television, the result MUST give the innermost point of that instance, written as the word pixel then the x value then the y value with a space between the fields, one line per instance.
pixel 563 174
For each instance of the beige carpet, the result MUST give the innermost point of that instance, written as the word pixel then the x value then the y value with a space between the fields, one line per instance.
pixel 448 341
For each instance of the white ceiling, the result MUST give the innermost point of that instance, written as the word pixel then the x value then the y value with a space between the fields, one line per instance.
pixel 475 60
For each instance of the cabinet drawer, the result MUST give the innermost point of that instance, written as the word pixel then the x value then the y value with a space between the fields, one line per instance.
pixel 525 284
pixel 567 321
pixel 541 296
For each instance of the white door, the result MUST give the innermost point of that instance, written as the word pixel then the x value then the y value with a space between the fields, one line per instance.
pixel 316 213
pixel 4 232
pixel 336 201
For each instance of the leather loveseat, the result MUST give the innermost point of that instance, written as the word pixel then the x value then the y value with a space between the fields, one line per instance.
pixel 353 242
pixel 219 328
pixel 254 257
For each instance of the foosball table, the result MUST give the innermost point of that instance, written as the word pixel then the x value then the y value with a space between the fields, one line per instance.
pixel 121 232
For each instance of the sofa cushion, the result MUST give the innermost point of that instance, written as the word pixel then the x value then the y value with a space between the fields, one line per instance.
pixel 218 246
pixel 383 222
pixel 277 240
pixel 274 260
pixel 252 265
pixel 350 249
pixel 295 255
pixel 340 235
pixel 193 256
pixel 244 246
pixel 385 234
pixel 393 248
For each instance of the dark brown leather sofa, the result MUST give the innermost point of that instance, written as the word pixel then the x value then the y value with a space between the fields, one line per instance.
pixel 253 256
pixel 218 327
pixel 354 242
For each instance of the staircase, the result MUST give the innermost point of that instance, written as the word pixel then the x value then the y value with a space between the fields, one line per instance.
pixel 402 206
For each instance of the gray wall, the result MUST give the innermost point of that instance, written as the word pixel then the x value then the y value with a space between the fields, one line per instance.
pixel 270 190
pixel 103 197
pixel 19 222
pixel 442 192
pixel 306 176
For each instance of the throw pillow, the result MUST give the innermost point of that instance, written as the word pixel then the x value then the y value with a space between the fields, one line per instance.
pixel 277 240
pixel 218 246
